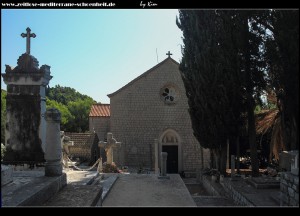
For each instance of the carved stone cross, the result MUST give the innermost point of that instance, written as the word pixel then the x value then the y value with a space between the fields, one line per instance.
pixel 169 54
pixel 28 35
pixel 108 146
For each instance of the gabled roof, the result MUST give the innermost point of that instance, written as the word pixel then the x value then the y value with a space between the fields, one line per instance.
pixel 82 139
pixel 142 75
pixel 100 110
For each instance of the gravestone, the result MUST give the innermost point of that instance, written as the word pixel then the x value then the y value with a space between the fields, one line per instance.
pixel 109 146
pixel 286 158
pixel 25 103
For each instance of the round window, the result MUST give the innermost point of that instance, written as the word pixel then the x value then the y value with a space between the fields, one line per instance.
pixel 169 94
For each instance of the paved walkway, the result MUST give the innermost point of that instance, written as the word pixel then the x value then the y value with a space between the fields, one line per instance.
pixel 140 190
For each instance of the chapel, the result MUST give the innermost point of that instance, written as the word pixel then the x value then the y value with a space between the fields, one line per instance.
pixel 150 111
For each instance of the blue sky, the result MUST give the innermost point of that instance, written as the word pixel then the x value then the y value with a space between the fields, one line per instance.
pixel 94 51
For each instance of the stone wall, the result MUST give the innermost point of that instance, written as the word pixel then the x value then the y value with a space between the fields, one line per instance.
pixel 238 198
pixel 80 152
pixel 100 125
pixel 85 146
pixel 139 115
pixel 289 188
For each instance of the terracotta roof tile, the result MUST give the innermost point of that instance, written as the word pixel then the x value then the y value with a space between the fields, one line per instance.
pixel 100 110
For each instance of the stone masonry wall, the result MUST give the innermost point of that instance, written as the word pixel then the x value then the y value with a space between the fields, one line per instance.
pixel 237 197
pixel 100 125
pixel 139 115
pixel 289 189
pixel 79 152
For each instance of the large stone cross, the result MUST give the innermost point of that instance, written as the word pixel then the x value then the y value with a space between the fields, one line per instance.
pixel 28 35
pixel 169 54
pixel 108 146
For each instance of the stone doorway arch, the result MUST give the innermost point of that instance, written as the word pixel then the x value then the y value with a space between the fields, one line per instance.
pixel 170 142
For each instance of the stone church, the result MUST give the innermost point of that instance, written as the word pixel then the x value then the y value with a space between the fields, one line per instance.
pixel 151 110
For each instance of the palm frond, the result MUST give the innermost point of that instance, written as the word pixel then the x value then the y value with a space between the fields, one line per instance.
pixel 265 120
pixel 270 120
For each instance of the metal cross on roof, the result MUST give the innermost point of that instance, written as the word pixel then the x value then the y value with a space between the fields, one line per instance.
pixel 28 35
pixel 169 54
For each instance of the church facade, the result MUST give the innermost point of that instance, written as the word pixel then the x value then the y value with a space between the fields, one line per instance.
pixel 152 108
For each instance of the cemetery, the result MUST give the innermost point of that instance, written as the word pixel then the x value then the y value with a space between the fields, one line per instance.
pixel 132 155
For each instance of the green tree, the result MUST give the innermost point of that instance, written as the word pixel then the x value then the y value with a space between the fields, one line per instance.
pixel 252 70
pixel 80 109
pixel 3 114
pixel 64 95
pixel 74 106
pixel 210 72
pixel 282 57
pixel 66 116
pixel 222 69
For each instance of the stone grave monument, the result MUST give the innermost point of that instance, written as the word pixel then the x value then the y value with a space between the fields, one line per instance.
pixel 109 146
pixel 65 144
pixel 26 130
pixel 26 104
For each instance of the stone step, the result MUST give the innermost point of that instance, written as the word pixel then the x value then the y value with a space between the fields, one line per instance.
pixel 31 189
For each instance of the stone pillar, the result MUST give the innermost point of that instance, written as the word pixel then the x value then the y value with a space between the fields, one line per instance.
pixel 53 151
pixel 232 166
pixel 156 169
pixel 227 155
pixel 109 155
pixel 25 104
pixel 100 167
pixel 163 174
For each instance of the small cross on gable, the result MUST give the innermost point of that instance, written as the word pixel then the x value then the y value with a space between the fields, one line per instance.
pixel 169 54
